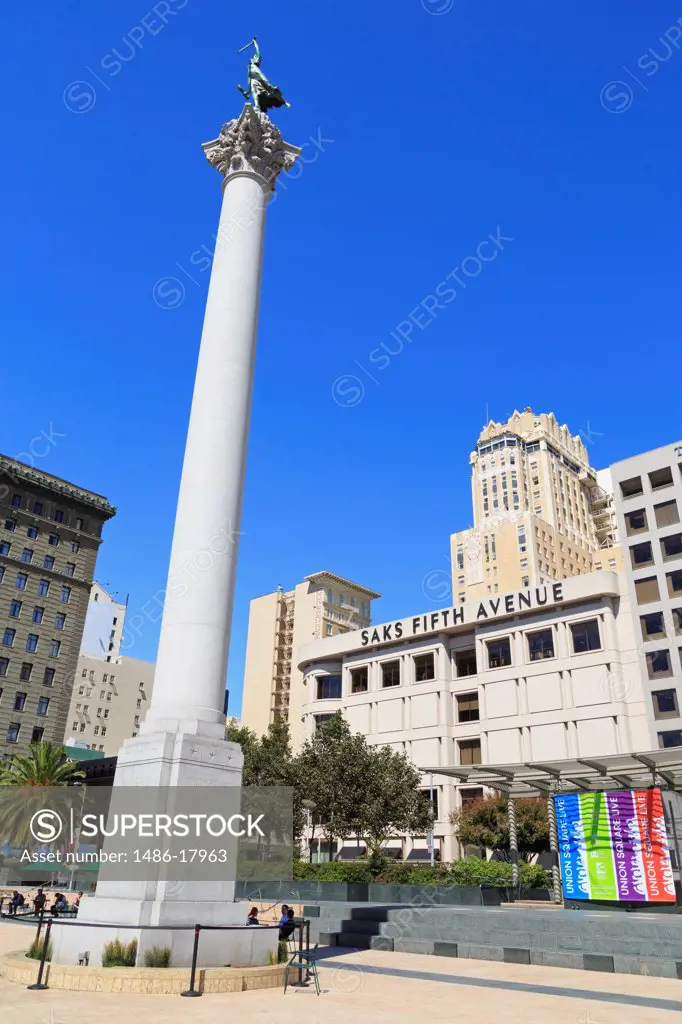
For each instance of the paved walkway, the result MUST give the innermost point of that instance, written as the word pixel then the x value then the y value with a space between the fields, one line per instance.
pixel 378 987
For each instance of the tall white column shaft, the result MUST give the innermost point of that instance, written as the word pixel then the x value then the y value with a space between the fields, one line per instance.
pixel 189 684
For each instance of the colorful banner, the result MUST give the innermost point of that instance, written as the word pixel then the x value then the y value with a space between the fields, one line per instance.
pixel 614 846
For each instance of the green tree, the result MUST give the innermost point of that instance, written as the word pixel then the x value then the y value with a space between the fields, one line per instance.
pixel 268 761
pixel 45 764
pixel 391 800
pixel 485 822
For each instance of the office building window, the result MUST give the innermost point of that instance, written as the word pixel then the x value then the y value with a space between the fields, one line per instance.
pixel 424 667
pixel 586 636
pixel 646 590
pixel 469 751
pixel 469 796
pixel 640 555
pixel 499 652
pixel 21 581
pixel 4 665
pixel 670 738
pixel 48 677
pixel 32 532
pixel 13 730
pixel 652 625
pixel 8 637
pixel 43 705
pixel 359 680
pixel 15 609
pixel 10 525
pixel 75 546
pixel 27 556
pixel 69 568
pixel 540 645
pixel 37 734
pixel 4 547
pixel 38 613
pixel 319 720
pixel 467 707
pixel 81 727
pixel 96 730
pixel 19 701
pixel 65 595
pixel 635 522
pixel 53 539
pixel 26 671
pixel 328 631
pixel 671 547
pixel 524 581
pixel 661 478
pixel 48 562
pixel 665 703
pixel 43 588
pixel 55 647
pixel 59 516
pixel 16 501
pixel 674 581
pixel 328 688
pixel 465 662
pixel 74 726
pixel 59 621
pixel 666 513
pixel 32 643
pixel 629 488
pixel 658 663
pixel 38 508
pixel 390 673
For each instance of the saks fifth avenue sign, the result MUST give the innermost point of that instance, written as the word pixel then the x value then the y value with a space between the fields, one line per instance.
pixel 446 618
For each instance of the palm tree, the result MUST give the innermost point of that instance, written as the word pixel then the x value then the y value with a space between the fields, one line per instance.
pixel 44 765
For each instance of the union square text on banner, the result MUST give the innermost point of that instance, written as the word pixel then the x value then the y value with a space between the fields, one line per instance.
pixel 614 846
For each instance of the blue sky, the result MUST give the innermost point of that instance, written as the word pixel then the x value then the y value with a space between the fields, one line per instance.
pixel 557 128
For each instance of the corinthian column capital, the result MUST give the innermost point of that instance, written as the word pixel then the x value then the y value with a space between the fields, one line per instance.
pixel 251 145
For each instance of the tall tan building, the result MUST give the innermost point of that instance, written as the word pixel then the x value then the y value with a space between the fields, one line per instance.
pixel 109 701
pixel 541 512
pixel 323 605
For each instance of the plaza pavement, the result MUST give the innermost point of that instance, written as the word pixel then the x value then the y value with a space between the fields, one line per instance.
pixel 374 986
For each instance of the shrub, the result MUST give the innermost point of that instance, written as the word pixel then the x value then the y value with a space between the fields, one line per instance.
pixel 115 954
pixel 35 951
pixel 282 952
pixel 157 956
pixel 469 871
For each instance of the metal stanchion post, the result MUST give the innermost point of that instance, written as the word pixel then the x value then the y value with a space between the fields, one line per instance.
pixel 191 991
pixel 300 946
pixel 41 914
pixel 43 956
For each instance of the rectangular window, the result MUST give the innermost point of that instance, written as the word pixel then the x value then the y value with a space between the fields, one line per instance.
pixel 328 688
pixel 75 546
pixel 69 569
pixel 10 525
pixel 79 524
pixel 424 667
pixel 38 508
pixel 21 581
pixel 674 580
pixel 13 730
pixel 670 738
pixel 460 556
pixel 586 636
pixel 38 613
pixel 48 677
pixel 640 555
pixel 53 539
pixel 48 562
pixel 465 662
pixel 4 547
pixel 467 707
pixel 540 645
pixel 469 751
pixel 658 663
pixel 26 670
pixel 661 478
pixel 4 665
pixel 19 701
pixel 646 590
pixel 104 729
pixel 96 730
pixel 635 522
pixel 2 573
pixel 55 647
pixel 15 609
pixel 59 516
pixel 27 556
pixel 43 705
pixel 16 501
pixel 32 532
pixel 32 643
pixel 329 631
pixel 43 588
pixel 65 595
pixel 666 513
pixel 390 673
pixel 37 734
pixel 359 681
pixel 8 637
pixel 665 703
pixel 671 547
pixel 652 625
pixel 59 621
pixel 499 653
pixel 629 488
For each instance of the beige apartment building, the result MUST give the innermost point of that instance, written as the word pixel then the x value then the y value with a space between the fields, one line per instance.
pixel 540 510
pixel 322 606
pixel 109 702
pixel 50 533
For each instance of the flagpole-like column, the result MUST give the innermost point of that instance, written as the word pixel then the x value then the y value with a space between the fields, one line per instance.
pixel 189 683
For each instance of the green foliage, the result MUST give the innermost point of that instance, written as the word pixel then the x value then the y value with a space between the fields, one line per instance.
pixel 268 761
pixel 35 950
pixel 158 956
pixel 116 954
pixel 391 800
pixel 485 823
pixel 44 765
pixel 470 871
pixel 334 871
pixel 282 952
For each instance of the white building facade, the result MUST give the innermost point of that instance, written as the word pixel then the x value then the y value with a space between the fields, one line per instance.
pixel 542 673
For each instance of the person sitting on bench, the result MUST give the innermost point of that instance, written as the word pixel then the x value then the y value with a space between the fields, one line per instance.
pixel 287 930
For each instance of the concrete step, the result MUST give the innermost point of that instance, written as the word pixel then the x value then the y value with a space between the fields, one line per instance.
pixel 358 940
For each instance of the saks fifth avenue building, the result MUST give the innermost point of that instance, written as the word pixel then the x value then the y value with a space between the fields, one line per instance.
pixel 546 673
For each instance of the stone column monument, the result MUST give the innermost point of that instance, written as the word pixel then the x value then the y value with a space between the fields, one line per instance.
pixel 182 740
